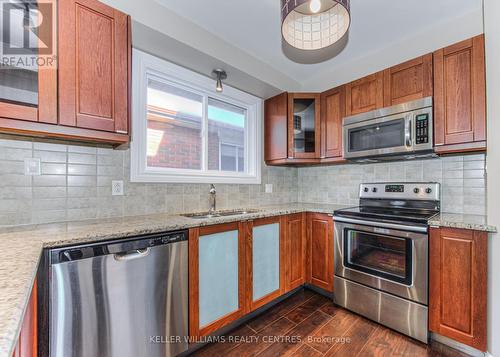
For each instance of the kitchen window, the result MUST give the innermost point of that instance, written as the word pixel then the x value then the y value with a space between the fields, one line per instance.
pixel 231 158
pixel 184 131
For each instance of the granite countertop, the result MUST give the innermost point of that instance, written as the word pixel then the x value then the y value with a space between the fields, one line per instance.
pixel 463 221
pixel 22 246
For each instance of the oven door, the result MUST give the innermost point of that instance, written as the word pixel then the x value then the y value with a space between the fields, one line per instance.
pixel 394 261
pixel 383 136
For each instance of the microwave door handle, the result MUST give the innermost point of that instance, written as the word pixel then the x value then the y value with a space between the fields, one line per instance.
pixel 408 127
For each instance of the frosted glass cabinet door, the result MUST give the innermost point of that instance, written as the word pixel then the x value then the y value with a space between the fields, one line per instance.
pixel 218 276
pixel 265 260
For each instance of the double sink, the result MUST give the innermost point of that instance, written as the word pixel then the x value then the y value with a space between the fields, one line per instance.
pixel 215 214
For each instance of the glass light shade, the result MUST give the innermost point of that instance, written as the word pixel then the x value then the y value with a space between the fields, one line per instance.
pixel 314 37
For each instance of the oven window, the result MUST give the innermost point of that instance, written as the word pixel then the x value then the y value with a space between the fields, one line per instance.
pixel 384 256
pixel 377 136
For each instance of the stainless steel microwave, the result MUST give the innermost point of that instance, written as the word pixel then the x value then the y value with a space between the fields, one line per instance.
pixel 403 130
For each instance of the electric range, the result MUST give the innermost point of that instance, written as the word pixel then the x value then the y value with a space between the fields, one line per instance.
pixel 381 254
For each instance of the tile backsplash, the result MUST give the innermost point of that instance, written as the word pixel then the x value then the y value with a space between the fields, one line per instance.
pixel 462 178
pixel 75 184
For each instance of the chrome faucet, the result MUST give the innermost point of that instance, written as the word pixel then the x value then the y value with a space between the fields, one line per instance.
pixel 213 193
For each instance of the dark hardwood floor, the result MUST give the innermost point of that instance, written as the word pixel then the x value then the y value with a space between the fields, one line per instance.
pixel 308 324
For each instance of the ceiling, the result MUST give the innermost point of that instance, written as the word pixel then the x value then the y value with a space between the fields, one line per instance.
pixel 244 38
pixel 254 27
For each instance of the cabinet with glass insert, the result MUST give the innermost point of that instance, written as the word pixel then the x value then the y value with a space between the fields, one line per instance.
pixel 28 75
pixel 303 125
pixel 47 89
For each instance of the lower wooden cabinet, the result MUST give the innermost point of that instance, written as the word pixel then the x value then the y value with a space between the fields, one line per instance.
pixel 236 268
pixel 320 250
pixel 216 277
pixel 265 261
pixel 458 285
pixel 27 343
pixel 295 251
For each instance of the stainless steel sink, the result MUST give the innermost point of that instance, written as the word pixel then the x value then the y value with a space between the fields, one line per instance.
pixel 205 215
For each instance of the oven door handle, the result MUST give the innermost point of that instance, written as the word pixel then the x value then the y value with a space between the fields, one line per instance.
pixel 402 227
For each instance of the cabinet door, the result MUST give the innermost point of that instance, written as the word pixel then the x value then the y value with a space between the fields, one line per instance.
pixel 216 277
pixel 408 81
pixel 264 264
pixel 304 121
pixel 276 128
pixel 320 250
pixel 29 91
pixel 295 251
pixel 460 96
pixel 94 52
pixel 365 94
pixel 27 344
pixel 457 281
pixel 332 113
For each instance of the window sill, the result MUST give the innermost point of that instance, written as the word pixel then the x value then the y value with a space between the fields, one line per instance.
pixel 202 178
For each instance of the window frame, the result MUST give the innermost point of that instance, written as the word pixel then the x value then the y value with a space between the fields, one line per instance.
pixel 236 147
pixel 145 67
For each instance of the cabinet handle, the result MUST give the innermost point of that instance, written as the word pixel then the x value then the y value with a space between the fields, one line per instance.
pixel 121 131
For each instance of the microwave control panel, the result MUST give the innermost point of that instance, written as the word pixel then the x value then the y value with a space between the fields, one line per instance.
pixel 422 126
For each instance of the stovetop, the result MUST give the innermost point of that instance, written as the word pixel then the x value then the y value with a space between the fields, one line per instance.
pixel 386 214
pixel 396 202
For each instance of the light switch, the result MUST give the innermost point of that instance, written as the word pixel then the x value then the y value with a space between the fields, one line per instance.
pixel 32 167
pixel 117 188
pixel 269 188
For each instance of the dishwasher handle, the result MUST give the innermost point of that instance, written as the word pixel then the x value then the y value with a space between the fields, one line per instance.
pixel 133 254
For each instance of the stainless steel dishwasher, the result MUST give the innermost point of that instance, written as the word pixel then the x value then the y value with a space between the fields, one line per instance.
pixel 119 299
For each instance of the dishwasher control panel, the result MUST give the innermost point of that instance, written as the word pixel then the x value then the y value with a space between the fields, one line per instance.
pixel 172 238
pixel 120 246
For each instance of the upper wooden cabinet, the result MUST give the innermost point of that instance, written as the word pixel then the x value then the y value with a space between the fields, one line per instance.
pixel 86 96
pixel 408 81
pixel 365 94
pixel 304 125
pixel 28 92
pixel 460 97
pixel 93 66
pixel 320 250
pixel 276 128
pixel 458 285
pixel 292 131
pixel 332 112
pixel 454 76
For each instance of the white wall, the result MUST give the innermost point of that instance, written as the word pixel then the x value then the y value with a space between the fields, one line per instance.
pixel 450 30
pixel 151 13
pixel 492 32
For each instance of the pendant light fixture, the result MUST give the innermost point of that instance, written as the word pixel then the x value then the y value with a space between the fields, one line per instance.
pixel 314 31
pixel 220 75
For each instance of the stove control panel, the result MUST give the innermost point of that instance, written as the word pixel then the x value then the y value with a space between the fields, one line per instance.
pixel 429 191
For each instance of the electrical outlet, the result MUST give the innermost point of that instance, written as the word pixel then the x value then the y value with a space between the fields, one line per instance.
pixel 269 188
pixel 117 188
pixel 32 167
